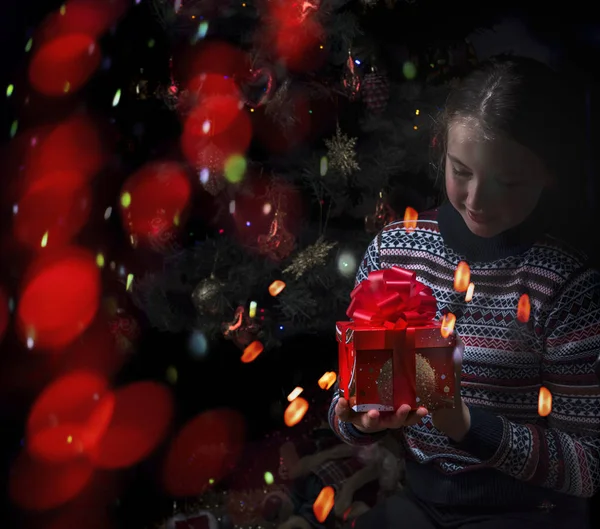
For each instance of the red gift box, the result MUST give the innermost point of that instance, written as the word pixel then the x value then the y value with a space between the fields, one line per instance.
pixel 393 352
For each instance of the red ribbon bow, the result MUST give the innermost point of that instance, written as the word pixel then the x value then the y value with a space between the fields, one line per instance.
pixel 392 298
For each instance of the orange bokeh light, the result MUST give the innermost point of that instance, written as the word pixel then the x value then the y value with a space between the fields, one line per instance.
pixel 523 308
pixel 295 411
pixel 462 277
pixel 252 351
pixel 544 402
pixel 327 380
pixel 411 218
pixel 276 287
pixel 470 292
pixel 448 322
pixel 324 503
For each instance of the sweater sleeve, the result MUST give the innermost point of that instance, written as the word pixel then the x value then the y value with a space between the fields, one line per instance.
pixel 346 431
pixel 564 455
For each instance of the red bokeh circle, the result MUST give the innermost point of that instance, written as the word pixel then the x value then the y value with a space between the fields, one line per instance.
pixel 159 196
pixel 142 414
pixel 59 299
pixel 64 64
pixel 219 121
pixel 57 206
pixel 207 448
pixel 69 417
pixel 38 485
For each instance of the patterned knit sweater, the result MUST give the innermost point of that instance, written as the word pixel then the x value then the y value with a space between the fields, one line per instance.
pixel 511 455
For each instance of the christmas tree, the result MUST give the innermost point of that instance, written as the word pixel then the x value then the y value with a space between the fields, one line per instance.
pixel 220 167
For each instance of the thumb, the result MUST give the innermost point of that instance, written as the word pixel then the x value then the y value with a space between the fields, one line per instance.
pixel 343 410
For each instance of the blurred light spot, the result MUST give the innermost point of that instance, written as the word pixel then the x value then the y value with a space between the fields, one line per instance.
pixel 30 343
pixel 9 90
pixel 324 166
pixel 206 127
pixel 63 9
pixel 295 393
pixel 44 242
pixel 204 176
pixel 15 209
pixel 14 128
pixel 252 310
pixel 269 479
pixel 409 70
pixel 151 43
pixel 202 30
pixel 267 208
pixel 171 375
pixel 129 282
pixel 126 200
pixel 100 260
pixel 108 211
pixel 67 87
pixel 29 45
pixel 117 98
pixel 198 344
pixel 232 207
pixel 346 264
pixel 235 168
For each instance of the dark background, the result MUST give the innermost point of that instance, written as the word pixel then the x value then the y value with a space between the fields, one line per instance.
pixel 570 42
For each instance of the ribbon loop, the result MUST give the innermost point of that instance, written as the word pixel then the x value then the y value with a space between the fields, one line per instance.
pixel 392 298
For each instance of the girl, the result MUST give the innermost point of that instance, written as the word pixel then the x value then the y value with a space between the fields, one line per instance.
pixel 493 462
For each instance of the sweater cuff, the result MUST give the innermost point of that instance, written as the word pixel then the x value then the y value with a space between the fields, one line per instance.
pixel 484 438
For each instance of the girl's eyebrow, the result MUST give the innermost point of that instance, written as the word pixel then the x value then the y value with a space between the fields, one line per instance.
pixel 456 160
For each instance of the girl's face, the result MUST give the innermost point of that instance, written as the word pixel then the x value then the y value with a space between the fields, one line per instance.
pixel 494 184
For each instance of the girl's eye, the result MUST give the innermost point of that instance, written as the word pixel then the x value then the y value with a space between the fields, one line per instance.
pixel 460 173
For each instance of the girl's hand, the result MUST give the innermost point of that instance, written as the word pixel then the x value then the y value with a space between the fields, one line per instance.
pixel 373 421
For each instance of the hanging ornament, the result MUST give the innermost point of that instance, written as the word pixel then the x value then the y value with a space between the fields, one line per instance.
pixel 279 242
pixel 341 153
pixel 376 91
pixel 309 258
pixel 210 164
pixel 351 80
pixel 259 88
pixel 208 296
pixel 383 215
pixel 242 330
pixel 169 94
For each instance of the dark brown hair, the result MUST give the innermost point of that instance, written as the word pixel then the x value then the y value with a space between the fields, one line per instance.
pixel 516 97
